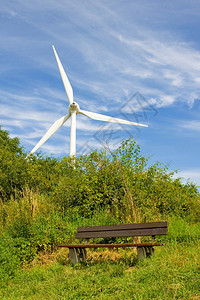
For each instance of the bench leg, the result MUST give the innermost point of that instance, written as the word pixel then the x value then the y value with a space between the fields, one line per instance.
pixel 82 254
pixel 77 255
pixel 149 251
pixel 143 252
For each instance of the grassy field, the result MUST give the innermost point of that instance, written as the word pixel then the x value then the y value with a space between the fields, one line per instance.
pixel 172 273
pixel 43 200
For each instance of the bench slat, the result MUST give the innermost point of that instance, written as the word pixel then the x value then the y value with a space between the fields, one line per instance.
pixel 121 233
pixel 123 226
pixel 112 245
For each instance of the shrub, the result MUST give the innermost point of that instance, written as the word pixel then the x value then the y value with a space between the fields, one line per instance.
pixel 9 260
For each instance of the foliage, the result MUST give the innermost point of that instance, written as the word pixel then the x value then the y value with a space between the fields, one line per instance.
pixel 18 173
pixel 41 173
pixel 12 165
pixel 43 200
pixel 9 259
pixel 124 183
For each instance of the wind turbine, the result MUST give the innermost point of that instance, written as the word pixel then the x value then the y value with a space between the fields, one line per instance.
pixel 73 110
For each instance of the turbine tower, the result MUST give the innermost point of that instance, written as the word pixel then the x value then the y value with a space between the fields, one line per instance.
pixel 73 110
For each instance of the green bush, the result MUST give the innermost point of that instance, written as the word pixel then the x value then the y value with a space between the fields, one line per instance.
pixel 9 259
pixel 43 200
pixel 126 184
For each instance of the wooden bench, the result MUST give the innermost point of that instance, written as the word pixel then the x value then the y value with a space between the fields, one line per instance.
pixel 78 252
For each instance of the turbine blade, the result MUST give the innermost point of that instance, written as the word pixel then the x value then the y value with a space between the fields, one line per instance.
pixel 50 132
pixel 65 80
pixel 100 117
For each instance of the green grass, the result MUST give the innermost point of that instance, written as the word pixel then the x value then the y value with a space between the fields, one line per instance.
pixel 172 273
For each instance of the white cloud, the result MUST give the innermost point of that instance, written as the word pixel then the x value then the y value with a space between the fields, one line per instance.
pixel 165 100
pixel 175 78
pixel 191 125
pixel 110 50
pixel 121 54
pixel 191 175
pixel 172 64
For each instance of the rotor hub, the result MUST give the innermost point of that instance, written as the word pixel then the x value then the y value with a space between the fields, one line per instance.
pixel 74 107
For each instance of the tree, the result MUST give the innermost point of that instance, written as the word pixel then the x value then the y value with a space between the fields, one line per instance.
pixel 12 165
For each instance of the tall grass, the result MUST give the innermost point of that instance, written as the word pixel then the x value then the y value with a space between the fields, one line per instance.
pixel 172 273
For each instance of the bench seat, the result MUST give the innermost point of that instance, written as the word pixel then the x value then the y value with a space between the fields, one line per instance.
pixel 78 251
pixel 124 245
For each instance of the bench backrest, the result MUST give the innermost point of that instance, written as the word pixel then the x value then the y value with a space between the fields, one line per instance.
pixel 123 230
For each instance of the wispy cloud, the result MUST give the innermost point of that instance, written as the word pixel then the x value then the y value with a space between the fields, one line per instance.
pixel 110 50
pixel 192 175
pixel 121 55
pixel 173 64
pixel 190 125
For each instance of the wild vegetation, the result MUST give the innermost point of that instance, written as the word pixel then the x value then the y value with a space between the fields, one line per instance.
pixel 43 200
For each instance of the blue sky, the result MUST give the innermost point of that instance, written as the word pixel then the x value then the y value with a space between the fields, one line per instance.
pixel 138 60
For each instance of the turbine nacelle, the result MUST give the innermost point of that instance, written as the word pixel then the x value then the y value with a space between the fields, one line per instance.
pixel 74 107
